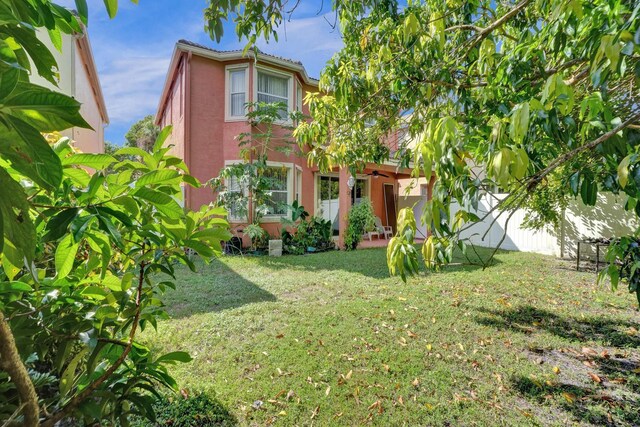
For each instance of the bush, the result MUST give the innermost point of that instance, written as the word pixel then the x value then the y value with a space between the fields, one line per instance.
pixel 315 233
pixel 199 410
pixel 259 237
pixel 360 219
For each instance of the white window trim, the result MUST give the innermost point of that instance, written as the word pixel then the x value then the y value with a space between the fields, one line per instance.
pixel 298 191
pixel 227 89
pixel 316 190
pixel 276 73
pixel 290 190
pixel 299 102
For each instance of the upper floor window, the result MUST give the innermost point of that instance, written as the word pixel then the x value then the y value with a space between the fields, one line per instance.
pixel 299 98
pixel 237 90
pixel 272 88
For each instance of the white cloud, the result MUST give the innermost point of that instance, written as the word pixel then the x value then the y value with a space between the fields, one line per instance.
pixel 311 40
pixel 132 84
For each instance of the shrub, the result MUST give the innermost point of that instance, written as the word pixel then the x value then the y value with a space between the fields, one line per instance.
pixel 360 219
pixel 259 236
pixel 314 233
pixel 199 410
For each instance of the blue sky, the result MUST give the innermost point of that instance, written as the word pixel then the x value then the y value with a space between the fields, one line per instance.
pixel 133 50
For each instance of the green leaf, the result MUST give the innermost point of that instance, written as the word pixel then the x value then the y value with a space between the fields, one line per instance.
pixel 148 159
pixel 176 356
pixel 65 256
pixel 69 374
pixel 6 287
pixel 162 137
pixel 83 10
pixel 218 234
pixel 94 292
pixel 29 153
pixel 160 176
pixel 17 227
pixel 94 161
pixel 589 192
pixel 519 122
pixel 40 55
pixel 119 215
pixel 203 249
pixel 162 202
pixel 57 226
pixel 112 7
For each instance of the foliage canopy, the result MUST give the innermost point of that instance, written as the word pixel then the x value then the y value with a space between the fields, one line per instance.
pixel 538 97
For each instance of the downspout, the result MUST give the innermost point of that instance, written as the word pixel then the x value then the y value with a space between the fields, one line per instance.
pixel 187 125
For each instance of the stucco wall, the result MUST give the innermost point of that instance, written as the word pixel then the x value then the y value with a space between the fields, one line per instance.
pixel 87 140
pixel 74 82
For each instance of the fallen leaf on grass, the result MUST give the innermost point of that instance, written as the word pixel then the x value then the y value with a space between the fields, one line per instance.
pixel 411 334
pixel 326 393
pixel 589 351
pixel 290 395
pixel 569 397
pixel 595 378
pixel 282 413
pixel 315 412
pixel 279 336
pixel 556 370
pixel 415 382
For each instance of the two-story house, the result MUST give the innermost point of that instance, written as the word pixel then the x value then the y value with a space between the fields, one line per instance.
pixel 78 78
pixel 204 98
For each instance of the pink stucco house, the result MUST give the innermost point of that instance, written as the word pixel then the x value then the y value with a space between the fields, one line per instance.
pixel 203 98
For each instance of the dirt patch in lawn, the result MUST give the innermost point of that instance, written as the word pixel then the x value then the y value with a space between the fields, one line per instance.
pixel 598 385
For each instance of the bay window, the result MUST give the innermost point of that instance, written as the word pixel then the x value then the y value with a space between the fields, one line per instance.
pixel 272 88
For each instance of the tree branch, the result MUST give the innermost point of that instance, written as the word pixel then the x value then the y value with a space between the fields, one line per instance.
pixel 78 399
pixel 11 362
pixel 499 22
pixel 537 177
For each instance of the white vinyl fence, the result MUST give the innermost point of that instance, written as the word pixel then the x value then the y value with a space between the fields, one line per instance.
pixel 605 220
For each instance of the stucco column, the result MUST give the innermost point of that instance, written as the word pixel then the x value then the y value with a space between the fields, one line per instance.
pixel 344 204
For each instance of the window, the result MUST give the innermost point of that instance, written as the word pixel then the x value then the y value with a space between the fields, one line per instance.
pixel 299 185
pixel 299 98
pixel 278 183
pixel 273 88
pixel 424 190
pixel 237 86
pixel 236 198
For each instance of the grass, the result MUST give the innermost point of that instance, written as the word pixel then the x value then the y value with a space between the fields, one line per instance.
pixel 331 339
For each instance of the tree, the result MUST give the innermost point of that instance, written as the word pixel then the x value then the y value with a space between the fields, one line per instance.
pixel 540 94
pixel 110 148
pixel 142 133
pixel 82 257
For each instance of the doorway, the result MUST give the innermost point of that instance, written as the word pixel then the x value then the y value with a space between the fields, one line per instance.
pixel 390 205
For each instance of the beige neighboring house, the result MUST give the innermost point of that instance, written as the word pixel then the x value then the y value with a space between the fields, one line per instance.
pixel 79 79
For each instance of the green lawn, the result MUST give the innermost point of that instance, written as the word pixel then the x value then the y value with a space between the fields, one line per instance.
pixel 331 339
